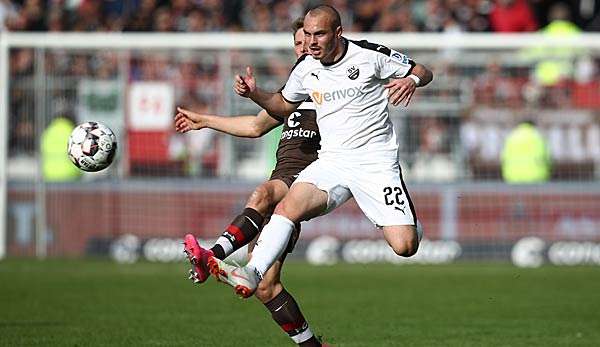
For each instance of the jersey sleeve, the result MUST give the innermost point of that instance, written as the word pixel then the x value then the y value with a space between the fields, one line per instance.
pixel 393 65
pixel 293 91
pixel 278 118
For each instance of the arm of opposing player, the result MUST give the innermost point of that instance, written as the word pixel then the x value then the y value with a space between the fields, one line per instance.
pixel 293 92
pixel 264 122
pixel 242 126
pixel 274 103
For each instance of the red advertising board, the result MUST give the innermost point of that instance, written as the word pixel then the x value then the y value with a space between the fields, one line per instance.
pixel 76 215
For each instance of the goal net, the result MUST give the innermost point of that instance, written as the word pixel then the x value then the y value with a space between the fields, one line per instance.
pixel 163 185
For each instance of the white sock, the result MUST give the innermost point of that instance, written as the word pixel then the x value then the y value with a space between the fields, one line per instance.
pixel 225 244
pixel 303 336
pixel 271 243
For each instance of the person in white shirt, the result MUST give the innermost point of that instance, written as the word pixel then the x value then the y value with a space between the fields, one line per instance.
pixel 348 83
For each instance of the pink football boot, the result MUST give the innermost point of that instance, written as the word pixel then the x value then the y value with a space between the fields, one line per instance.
pixel 198 257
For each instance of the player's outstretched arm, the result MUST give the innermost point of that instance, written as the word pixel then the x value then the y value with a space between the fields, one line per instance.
pixel 274 103
pixel 401 90
pixel 242 126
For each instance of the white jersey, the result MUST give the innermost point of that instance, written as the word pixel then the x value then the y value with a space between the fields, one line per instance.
pixel 351 101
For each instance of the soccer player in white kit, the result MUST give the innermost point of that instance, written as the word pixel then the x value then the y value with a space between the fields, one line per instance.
pixel 348 82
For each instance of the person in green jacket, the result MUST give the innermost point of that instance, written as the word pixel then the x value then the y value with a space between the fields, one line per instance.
pixel 56 164
pixel 553 63
pixel 525 156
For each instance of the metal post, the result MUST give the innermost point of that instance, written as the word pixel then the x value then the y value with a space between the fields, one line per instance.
pixel 4 53
pixel 122 155
pixel 41 237
pixel 449 218
pixel 226 155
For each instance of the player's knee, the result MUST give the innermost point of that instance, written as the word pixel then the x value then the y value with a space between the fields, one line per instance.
pixel 405 250
pixel 266 291
pixel 260 199
pixel 283 209
pixel 406 247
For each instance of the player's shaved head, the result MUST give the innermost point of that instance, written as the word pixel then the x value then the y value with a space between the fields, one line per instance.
pixel 323 33
pixel 330 13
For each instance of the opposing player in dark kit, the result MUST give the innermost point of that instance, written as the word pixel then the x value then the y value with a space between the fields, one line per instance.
pixel 297 148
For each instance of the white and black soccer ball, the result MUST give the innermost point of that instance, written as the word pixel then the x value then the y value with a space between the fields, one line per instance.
pixel 92 146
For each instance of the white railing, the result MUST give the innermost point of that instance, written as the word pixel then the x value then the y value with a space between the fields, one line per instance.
pixel 282 40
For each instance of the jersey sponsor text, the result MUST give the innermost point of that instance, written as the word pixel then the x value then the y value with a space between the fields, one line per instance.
pixel 338 94
pixel 288 134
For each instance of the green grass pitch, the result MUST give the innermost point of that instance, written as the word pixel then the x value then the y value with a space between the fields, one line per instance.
pixel 100 303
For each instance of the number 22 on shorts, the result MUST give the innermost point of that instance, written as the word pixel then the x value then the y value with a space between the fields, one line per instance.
pixel 393 197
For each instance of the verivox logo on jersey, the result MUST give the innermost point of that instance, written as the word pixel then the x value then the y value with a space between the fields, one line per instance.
pixel 335 95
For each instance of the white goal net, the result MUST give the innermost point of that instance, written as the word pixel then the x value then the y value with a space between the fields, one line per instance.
pixel 163 184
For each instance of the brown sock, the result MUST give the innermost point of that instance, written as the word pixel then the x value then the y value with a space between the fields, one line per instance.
pixel 286 313
pixel 240 232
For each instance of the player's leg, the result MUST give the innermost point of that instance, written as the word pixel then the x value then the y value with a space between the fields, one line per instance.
pixel 316 191
pixel 271 285
pixel 303 201
pixel 381 194
pixel 240 231
pixel 282 305
pixel 403 239
pixel 284 308
pixel 247 225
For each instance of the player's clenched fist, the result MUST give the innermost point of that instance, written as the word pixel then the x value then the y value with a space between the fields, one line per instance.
pixel 244 85
pixel 186 120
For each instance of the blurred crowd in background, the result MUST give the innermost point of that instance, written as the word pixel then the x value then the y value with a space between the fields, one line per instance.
pixel 454 130
pixel 275 15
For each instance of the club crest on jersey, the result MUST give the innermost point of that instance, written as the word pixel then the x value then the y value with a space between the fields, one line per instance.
pixel 353 72
pixel 291 121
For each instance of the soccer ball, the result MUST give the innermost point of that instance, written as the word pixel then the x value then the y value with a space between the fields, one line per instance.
pixel 92 146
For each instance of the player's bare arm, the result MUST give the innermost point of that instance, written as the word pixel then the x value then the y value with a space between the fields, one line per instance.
pixel 401 90
pixel 242 126
pixel 274 103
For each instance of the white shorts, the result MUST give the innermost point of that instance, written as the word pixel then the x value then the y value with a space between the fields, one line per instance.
pixel 378 189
